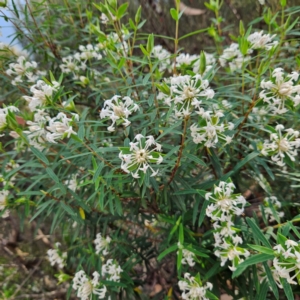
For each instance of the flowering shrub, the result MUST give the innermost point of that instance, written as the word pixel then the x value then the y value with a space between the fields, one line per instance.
pixel 147 162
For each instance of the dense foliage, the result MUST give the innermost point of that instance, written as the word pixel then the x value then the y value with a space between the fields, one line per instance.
pixel 155 166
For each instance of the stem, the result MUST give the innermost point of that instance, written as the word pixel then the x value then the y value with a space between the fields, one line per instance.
pixel 185 121
pixel 153 86
pixel 176 38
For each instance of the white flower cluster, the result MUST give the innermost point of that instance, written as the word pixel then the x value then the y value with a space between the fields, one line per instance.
pixel 163 57
pixel 185 60
pixel 55 256
pixel 37 134
pixel 3 199
pixel 60 127
pixel 193 289
pixel 86 287
pixel 280 91
pixel 268 211
pixel 259 40
pixel 111 270
pixel 187 93
pixel 286 264
pixel 3 115
pixel 24 70
pixel 71 64
pixel 233 56
pixel 114 44
pixel 41 93
pixel 187 256
pixel 102 244
pixel 210 130
pixel 72 183
pixel 118 109
pixel 282 146
pixel 225 206
pixel 78 62
pixel 137 158
pixel 87 53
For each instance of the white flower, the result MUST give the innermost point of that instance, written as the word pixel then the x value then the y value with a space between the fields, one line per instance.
pixel 86 287
pixel 258 40
pixel 3 114
pixel 192 288
pixel 233 56
pixel 57 257
pixel 72 183
pixel 287 263
pixel 60 127
pixel 281 146
pixel 102 244
pixel 112 269
pixel 87 52
pixel 22 69
pixel 209 131
pixel 41 93
pixel 72 65
pixel 187 93
pixel 162 56
pixel 279 89
pixel 185 59
pixel 3 197
pixel 267 209
pixel 138 157
pixel 118 110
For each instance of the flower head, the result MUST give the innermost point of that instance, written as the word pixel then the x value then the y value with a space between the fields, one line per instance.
pixel 282 145
pixel 280 90
pixel 102 244
pixel 210 129
pixel 192 288
pixel 118 109
pixel 141 154
pixel 55 256
pixel 86 287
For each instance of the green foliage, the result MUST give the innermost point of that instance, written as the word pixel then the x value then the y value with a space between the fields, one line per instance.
pixel 156 151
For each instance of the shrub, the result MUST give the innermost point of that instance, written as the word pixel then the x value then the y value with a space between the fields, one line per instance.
pixel 149 163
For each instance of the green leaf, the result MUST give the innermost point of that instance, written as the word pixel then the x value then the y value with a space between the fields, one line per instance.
pixel 167 251
pixel 257 233
pixel 181 234
pixel 255 259
pixel 67 208
pixel 287 289
pixel 192 33
pixel 40 155
pixel 210 295
pixel 150 43
pixel 137 17
pixel 263 291
pixel 271 280
pixel 174 14
pixel 179 259
pixel 52 175
pixel 262 249
pixel 203 212
pixel 16 9
pixel 122 9
pixel 195 159
pixel 195 251
pixel 144 50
